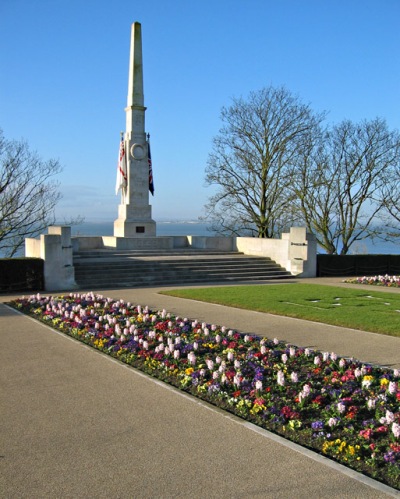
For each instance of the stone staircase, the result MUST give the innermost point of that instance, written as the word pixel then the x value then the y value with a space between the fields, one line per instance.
pixel 102 269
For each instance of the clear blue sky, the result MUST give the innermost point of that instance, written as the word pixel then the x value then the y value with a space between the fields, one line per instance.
pixel 64 78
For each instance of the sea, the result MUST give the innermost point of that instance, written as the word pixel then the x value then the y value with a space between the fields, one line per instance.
pixel 196 228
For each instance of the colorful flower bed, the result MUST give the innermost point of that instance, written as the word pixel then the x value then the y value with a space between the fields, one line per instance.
pixel 344 409
pixel 378 280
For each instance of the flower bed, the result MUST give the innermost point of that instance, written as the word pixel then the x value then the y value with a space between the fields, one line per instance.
pixel 339 407
pixel 378 280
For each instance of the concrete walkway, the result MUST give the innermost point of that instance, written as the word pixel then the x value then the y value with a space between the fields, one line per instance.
pixel 74 423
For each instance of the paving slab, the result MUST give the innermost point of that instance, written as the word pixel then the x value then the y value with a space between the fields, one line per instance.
pixel 76 423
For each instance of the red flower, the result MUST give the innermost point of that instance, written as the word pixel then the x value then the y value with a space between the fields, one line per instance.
pixel 367 434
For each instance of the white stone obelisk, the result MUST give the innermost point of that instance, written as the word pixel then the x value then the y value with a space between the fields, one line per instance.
pixel 134 212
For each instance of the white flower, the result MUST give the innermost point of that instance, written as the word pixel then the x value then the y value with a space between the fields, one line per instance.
pixel 280 378
pixel 259 385
pixel 191 358
pixel 294 377
pixel 396 430
pixel 341 407
pixel 389 417
pixel 333 422
pixel 284 358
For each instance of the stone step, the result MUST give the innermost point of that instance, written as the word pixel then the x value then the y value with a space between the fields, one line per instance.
pixel 199 274
pixel 145 281
pixel 182 265
pixel 110 253
pixel 105 269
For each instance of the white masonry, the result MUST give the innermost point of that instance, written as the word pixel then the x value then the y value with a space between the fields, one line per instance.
pixel 134 212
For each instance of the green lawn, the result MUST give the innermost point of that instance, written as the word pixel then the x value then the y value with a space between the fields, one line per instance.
pixel 359 309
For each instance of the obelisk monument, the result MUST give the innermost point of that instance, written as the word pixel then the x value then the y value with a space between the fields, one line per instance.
pixel 134 212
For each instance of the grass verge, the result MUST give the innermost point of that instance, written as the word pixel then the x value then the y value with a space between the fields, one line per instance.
pixel 373 311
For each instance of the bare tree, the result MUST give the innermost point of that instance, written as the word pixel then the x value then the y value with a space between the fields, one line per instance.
pixel 390 196
pixel 28 194
pixel 340 182
pixel 252 162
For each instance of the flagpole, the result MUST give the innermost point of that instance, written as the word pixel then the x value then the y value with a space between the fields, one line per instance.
pixel 151 181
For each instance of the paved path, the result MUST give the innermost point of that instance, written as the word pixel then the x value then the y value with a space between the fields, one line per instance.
pixel 74 423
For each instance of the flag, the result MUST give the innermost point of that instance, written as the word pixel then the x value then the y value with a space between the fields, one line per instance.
pixel 122 179
pixel 151 183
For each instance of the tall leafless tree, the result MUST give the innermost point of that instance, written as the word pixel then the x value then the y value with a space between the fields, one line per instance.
pixel 28 194
pixel 252 162
pixel 339 185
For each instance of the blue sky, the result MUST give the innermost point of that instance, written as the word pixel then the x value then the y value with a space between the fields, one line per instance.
pixel 64 78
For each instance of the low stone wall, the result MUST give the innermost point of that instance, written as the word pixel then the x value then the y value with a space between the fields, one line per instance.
pixel 276 249
pixel 296 251
pixel 212 243
pixel 87 243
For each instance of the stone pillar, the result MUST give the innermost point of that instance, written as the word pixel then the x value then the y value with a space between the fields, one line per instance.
pixel 134 212
pixel 55 249
pixel 302 258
